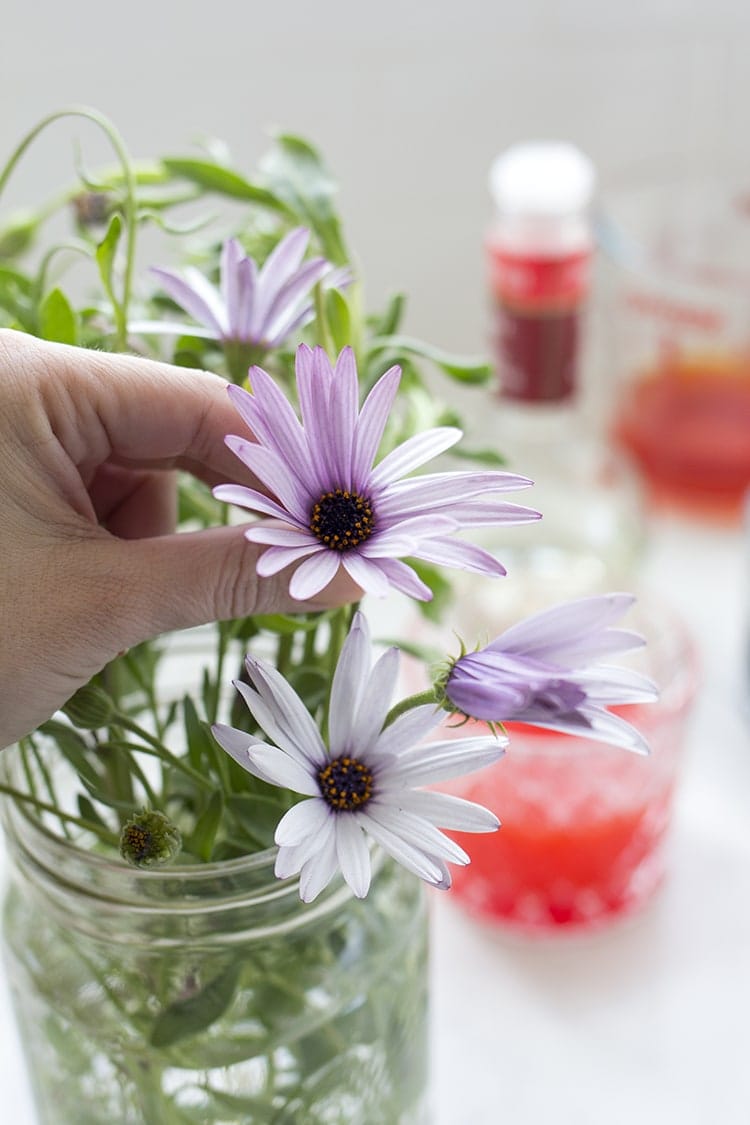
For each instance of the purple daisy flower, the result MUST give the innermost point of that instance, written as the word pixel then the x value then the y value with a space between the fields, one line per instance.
pixel 540 671
pixel 338 507
pixel 251 306
pixel 363 783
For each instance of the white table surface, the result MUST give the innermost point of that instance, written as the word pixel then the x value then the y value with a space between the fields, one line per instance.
pixel 648 1022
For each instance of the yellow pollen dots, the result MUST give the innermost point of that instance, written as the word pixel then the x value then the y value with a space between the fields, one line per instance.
pixel 342 519
pixel 137 840
pixel 345 784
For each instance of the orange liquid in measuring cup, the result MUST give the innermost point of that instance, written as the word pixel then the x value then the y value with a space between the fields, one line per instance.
pixel 687 425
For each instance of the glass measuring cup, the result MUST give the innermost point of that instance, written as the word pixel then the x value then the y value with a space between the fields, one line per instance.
pixel 677 268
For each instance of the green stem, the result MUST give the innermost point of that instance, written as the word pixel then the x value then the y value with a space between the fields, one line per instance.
pixel 155 747
pixel 408 704
pixel 120 308
pixel 325 338
pixel 47 779
pixel 88 825
pixel 284 652
pixel 40 282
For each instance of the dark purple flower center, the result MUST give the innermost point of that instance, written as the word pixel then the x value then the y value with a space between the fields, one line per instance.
pixel 345 784
pixel 342 519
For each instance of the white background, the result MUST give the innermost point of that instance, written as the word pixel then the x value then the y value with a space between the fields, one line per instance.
pixel 409 102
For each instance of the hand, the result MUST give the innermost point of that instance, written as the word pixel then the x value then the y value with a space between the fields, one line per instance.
pixel 89 562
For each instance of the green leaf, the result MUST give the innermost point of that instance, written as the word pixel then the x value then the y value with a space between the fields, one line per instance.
pixel 105 254
pixel 469 370
pixel 256 816
pixel 200 742
pixel 18 233
pixel 73 747
pixel 57 319
pixel 215 177
pixel 286 624
pixel 390 320
pixel 489 457
pixel 296 174
pixel 338 318
pixel 88 812
pixel 187 1017
pixel 201 841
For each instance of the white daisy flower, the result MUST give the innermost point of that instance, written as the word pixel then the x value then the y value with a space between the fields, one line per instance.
pixel 366 781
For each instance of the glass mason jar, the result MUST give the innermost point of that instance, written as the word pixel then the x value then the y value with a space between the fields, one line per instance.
pixel 210 993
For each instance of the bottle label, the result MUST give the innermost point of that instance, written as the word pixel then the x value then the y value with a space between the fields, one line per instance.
pixel 539 280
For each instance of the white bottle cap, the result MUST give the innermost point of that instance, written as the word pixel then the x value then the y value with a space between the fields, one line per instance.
pixel 542 178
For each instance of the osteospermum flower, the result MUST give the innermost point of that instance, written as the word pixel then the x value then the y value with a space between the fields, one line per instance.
pixel 543 671
pixel 338 508
pixel 364 782
pixel 251 306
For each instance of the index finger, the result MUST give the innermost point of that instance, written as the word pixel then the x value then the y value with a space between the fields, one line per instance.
pixel 138 412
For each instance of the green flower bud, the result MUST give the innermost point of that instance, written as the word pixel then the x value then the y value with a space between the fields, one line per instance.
pixel 90 708
pixel 149 839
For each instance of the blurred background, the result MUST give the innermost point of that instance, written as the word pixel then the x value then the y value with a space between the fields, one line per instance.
pixel 409 103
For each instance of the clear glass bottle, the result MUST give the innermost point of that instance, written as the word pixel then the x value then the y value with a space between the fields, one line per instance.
pixel 540 252
pixel 211 994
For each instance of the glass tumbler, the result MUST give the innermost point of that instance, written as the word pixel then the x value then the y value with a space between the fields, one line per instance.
pixel 584 824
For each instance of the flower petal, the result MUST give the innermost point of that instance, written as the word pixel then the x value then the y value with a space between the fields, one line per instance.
pixel 237 743
pixel 370 575
pixel 403 578
pixel 438 761
pixel 318 871
pixel 252 499
pixel 550 631
pixel 458 554
pixel 373 416
pixel 446 811
pixel 414 452
pixel 276 767
pixel 302 820
pixel 281 263
pixel 348 683
pixel 272 421
pixel 313 575
pixel 410 857
pixel 415 830
pixel 353 853
pixel 374 704
pixel 270 469
pixel 205 309
pixel 291 720
pixel 410 728
pixel 276 559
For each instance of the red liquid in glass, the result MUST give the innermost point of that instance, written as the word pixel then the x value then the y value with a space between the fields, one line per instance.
pixel 687 425
pixel 581 834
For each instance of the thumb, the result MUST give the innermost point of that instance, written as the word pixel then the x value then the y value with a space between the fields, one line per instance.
pixel 191 578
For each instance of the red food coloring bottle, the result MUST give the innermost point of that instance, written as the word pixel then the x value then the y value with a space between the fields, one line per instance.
pixel 539 251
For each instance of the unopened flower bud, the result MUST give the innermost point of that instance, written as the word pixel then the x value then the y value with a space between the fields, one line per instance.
pixel 91 208
pixel 90 707
pixel 149 839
